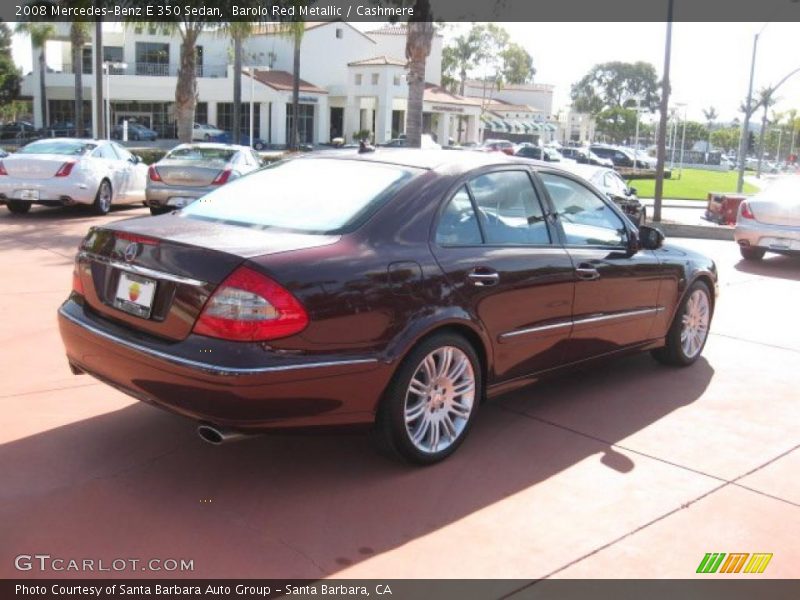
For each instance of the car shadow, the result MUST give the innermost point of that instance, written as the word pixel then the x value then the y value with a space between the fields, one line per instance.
pixel 772 265
pixel 138 482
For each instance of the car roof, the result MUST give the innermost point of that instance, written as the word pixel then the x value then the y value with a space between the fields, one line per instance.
pixel 217 145
pixel 72 139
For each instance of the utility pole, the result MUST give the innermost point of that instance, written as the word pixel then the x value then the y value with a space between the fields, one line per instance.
pixel 662 123
pixel 748 111
pixel 99 134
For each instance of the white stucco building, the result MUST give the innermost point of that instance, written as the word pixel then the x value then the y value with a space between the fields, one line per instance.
pixel 350 81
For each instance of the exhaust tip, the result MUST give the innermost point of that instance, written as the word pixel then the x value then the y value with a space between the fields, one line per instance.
pixel 211 434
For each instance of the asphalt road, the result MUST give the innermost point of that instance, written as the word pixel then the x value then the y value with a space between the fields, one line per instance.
pixel 631 469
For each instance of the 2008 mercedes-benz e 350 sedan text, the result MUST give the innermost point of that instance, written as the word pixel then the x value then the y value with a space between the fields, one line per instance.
pixel 397 289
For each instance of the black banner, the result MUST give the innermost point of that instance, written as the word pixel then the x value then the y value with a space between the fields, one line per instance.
pixel 398 10
pixel 394 589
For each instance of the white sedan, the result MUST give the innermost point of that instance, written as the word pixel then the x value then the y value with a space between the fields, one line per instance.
pixel 770 221
pixel 68 171
pixel 203 132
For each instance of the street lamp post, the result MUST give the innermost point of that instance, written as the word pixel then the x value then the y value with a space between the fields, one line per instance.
pixel 683 141
pixel 747 114
pixel 778 153
pixel 107 66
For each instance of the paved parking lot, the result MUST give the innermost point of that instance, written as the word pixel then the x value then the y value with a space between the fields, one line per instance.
pixel 626 470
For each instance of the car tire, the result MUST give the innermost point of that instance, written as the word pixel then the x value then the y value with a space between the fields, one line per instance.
pixel 752 252
pixel 688 333
pixel 159 210
pixel 206 137
pixel 18 208
pixel 103 198
pixel 431 402
pixel 258 146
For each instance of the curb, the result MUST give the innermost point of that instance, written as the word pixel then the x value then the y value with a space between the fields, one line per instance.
pixel 676 230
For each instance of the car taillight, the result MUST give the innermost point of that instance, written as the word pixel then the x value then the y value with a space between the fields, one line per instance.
pixel 222 177
pixel 77 284
pixel 153 173
pixel 249 306
pixel 745 211
pixel 3 169
pixel 135 237
pixel 65 169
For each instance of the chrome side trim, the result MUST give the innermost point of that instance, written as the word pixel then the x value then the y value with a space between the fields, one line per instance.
pixel 208 367
pixel 584 320
pixel 144 271
pixel 539 329
pixel 620 315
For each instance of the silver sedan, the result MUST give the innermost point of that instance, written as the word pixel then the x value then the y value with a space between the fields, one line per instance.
pixel 770 221
pixel 190 171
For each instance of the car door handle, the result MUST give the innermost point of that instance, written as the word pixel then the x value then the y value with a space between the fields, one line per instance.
pixel 587 272
pixel 484 277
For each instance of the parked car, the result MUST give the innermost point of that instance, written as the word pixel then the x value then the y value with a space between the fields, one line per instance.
pixel 293 298
pixel 584 156
pixel 70 171
pixel 244 140
pixel 623 157
pixel 136 132
pixel 503 146
pixel 426 140
pixel 17 130
pixel 614 186
pixel 68 129
pixel 203 132
pixel 190 171
pixel 3 153
pixel 538 153
pixel 770 221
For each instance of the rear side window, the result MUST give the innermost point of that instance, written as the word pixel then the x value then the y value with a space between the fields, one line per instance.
pixel 306 195
pixel 458 225
pixel 200 153
pixel 509 209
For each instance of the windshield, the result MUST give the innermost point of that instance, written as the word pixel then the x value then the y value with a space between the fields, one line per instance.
pixel 204 154
pixel 65 147
pixel 307 195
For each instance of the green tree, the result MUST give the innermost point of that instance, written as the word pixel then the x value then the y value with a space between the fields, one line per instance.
pixel 9 73
pixel 517 65
pixel 39 33
pixel 710 114
pixel 295 29
pixel 237 31
pixel 419 35
pixel 617 123
pixel 614 85
pixel 726 138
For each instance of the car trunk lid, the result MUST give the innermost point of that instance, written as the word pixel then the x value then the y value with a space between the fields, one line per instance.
pixel 155 274
pixel 190 173
pixel 36 166
pixel 784 211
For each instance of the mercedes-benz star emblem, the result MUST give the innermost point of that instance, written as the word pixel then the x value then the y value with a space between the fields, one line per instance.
pixel 131 251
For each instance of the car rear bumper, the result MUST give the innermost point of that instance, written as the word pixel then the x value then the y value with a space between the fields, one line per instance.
pixel 237 385
pixel 49 191
pixel 776 238
pixel 162 196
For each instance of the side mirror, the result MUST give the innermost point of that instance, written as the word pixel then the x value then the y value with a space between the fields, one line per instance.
pixel 135 159
pixel 650 238
pixel 634 243
pixel 632 191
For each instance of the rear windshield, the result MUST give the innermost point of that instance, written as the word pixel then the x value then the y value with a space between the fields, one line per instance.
pixel 195 153
pixel 65 147
pixel 305 195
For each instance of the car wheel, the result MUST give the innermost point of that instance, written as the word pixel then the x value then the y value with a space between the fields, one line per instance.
pixel 689 331
pixel 102 201
pixel 258 146
pixel 159 210
pixel 206 137
pixel 17 207
pixel 432 400
pixel 752 253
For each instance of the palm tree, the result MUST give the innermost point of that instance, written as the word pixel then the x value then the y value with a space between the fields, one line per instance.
pixel 40 33
pixel 419 35
pixel 238 32
pixel 710 114
pixel 765 100
pixel 295 30
pixel 78 36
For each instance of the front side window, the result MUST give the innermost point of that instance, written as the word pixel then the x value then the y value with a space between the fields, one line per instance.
pixel 508 208
pixel 586 219
pixel 458 225
pixel 304 195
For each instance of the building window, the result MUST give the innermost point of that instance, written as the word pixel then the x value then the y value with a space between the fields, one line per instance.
pixel 375 78
pixel 225 119
pixel 339 33
pixel 397 79
pixel 152 58
pixel 63 111
pixel 152 30
pixel 305 124
pixel 358 78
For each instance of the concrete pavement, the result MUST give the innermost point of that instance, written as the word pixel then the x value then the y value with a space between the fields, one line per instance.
pixel 631 469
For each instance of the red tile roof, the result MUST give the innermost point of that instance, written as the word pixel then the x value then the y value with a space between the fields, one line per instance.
pixel 436 93
pixel 378 61
pixel 281 80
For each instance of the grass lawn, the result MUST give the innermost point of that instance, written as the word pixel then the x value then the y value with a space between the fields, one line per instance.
pixel 694 184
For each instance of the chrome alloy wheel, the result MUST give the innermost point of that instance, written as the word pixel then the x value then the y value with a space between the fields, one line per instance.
pixel 439 399
pixel 104 197
pixel 694 329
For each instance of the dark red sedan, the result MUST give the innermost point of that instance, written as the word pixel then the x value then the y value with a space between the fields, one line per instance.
pixel 396 289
